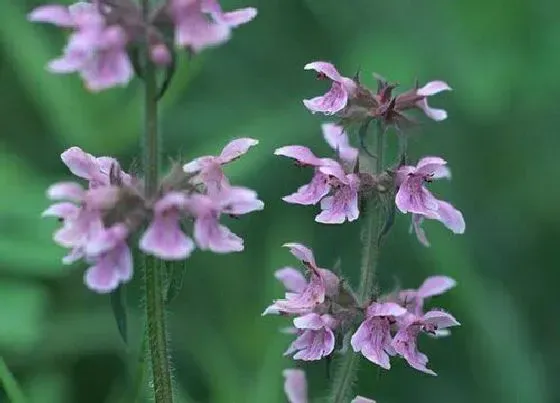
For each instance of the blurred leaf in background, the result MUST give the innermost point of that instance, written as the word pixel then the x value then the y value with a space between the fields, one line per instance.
pixel 501 58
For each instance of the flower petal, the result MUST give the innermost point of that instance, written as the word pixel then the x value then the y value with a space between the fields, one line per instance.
pixel 300 153
pixel 52 14
pixel 433 87
pixel 292 279
pixel 302 253
pixel 295 385
pixel 236 149
pixel 435 285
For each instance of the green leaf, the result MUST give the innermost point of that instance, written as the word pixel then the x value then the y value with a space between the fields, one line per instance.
pixel 118 305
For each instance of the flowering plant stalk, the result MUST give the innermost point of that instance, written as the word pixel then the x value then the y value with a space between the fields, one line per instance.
pixel 331 319
pixel 110 42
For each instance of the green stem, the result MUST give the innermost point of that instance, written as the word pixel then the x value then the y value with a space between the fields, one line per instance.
pixel 10 384
pixel 153 273
pixel 372 225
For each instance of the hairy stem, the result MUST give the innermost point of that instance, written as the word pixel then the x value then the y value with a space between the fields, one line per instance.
pixel 153 273
pixel 10 385
pixel 372 225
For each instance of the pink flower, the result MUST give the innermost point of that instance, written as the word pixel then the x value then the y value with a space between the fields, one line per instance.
pixel 404 341
pixel 209 168
pixel 329 177
pixel 337 97
pixel 413 300
pixel 373 337
pixel 112 260
pixel 337 138
pixel 319 186
pixel 316 339
pixel 208 232
pixel 96 170
pixel 432 88
pixel 80 223
pixel 413 197
pixel 95 50
pixel 164 237
pixel 295 387
pixel 342 205
pixel 202 23
pixel 302 296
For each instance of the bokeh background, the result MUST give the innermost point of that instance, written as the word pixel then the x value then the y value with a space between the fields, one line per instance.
pixel 502 58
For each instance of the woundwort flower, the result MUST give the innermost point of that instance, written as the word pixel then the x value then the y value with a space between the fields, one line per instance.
pixel 164 236
pixel 96 50
pixel 103 29
pixel 295 387
pixel 413 196
pixel 97 221
pixel 111 258
pixel 303 296
pixel 391 108
pixel 206 210
pixel 208 169
pixel 330 177
pixel 315 339
pixel 373 337
pixel 413 300
pixel 405 343
pixel 337 97
pixel 202 23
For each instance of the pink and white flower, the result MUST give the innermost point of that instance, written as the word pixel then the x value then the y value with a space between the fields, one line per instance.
pixel 373 337
pixel 316 338
pixel 336 99
pixel 95 50
pixel 413 196
pixel 202 23
pixel 405 343
pixel 208 169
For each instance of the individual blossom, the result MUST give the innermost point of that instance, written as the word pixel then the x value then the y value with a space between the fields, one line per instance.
pixel 303 296
pixel 373 337
pixel 336 99
pixel 96 170
pixel 315 339
pixel 164 237
pixel 334 183
pixel 95 49
pixel 413 299
pixel 405 341
pixel 413 196
pixel 208 169
pixel 111 258
pixel 202 23
pixel 295 387
pixel 390 108
pixel 207 209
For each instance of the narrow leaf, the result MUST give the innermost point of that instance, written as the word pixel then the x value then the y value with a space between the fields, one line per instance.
pixel 175 276
pixel 118 305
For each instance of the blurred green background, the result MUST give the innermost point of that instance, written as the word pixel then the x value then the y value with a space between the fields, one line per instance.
pixel 502 59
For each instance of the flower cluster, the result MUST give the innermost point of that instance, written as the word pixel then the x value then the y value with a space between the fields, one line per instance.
pixel 322 304
pixel 98 221
pixel 295 387
pixel 338 183
pixel 103 31
pixel 347 97
pixel 334 182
